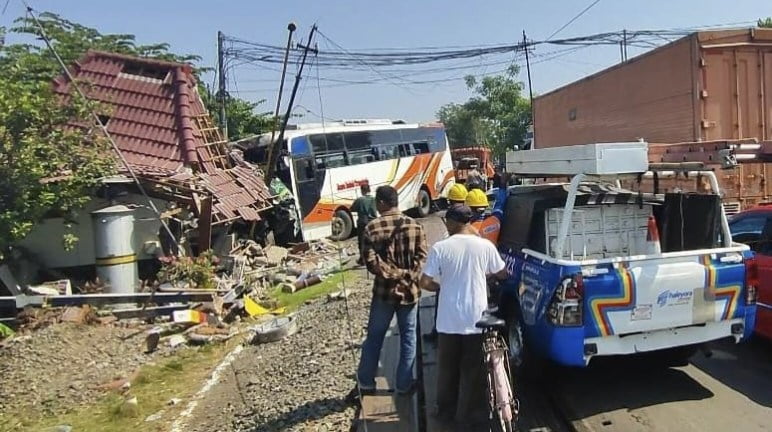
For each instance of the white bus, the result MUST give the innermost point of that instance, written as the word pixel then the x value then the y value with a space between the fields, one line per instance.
pixel 326 164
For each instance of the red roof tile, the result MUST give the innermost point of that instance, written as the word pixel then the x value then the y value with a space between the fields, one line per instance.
pixel 151 121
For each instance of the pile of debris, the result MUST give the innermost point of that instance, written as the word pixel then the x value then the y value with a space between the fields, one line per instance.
pixel 210 293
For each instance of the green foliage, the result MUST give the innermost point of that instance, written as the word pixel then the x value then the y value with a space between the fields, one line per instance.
pixel 243 120
pixel 44 167
pixel 198 271
pixel 496 116
pixel 765 22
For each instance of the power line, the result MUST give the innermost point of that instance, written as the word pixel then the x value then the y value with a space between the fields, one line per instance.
pixel 573 19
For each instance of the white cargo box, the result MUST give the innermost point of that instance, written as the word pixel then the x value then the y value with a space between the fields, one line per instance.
pixel 596 159
pixel 598 232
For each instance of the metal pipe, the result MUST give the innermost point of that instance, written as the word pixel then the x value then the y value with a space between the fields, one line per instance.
pixel 21 301
pixel 291 27
pixel 567 213
pixel 271 168
pixel 116 260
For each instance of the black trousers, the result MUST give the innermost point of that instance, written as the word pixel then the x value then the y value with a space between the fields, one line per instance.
pixel 360 239
pixel 461 382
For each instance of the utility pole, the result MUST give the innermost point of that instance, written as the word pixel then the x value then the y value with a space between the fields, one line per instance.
pixel 624 42
pixel 291 27
pixel 276 146
pixel 528 68
pixel 221 90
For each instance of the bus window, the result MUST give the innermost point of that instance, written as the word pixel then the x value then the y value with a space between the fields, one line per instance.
pixel 388 152
pixel 327 143
pixel 318 143
pixel 332 160
pixel 388 136
pixel 359 156
pixel 304 170
pixel 356 141
pixel 421 147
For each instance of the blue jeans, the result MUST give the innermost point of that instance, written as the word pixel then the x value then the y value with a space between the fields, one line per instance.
pixel 381 313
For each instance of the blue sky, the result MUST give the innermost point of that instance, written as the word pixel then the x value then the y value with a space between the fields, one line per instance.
pixel 191 26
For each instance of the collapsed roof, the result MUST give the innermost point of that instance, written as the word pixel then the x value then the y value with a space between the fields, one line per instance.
pixel 156 117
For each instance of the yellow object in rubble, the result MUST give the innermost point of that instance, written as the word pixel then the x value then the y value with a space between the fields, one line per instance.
pixel 254 309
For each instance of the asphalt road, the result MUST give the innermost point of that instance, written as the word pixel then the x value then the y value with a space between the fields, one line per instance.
pixel 729 391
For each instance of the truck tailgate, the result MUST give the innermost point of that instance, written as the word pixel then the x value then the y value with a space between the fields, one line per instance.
pixel 652 294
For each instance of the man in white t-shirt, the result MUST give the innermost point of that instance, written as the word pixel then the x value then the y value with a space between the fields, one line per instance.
pixel 462 264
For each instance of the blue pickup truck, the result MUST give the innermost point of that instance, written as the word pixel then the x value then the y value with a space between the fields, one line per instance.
pixel 598 270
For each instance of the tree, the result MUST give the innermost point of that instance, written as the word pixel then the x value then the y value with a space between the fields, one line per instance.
pixel 45 167
pixel 765 22
pixel 496 116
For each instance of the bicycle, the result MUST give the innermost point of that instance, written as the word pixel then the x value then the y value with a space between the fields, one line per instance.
pixel 504 408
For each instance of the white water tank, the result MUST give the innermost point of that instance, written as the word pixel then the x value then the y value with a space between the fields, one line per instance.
pixel 116 259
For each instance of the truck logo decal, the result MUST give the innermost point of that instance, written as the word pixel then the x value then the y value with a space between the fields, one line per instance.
pixel 713 291
pixel 674 298
pixel 624 299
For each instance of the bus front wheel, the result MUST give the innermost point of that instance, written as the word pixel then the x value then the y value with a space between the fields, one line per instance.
pixel 424 203
pixel 342 225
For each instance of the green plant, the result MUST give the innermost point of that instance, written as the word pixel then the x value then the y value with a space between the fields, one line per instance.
pixel 198 271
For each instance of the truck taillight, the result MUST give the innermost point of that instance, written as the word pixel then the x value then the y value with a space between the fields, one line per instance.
pixel 751 281
pixel 566 306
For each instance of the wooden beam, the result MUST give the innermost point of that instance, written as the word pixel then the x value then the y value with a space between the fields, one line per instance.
pixel 205 225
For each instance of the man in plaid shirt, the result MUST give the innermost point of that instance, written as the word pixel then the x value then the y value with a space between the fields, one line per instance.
pixel 395 251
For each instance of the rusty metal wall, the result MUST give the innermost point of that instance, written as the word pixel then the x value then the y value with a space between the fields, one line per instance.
pixel 708 86
pixel 736 85
pixel 650 97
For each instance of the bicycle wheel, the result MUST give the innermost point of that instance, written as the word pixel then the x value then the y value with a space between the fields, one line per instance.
pixel 501 399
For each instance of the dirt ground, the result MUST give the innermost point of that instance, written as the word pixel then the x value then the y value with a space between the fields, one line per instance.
pixel 54 369
pixel 299 383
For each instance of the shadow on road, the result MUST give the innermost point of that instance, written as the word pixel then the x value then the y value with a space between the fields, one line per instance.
pixel 625 383
pixel 307 412
pixel 745 367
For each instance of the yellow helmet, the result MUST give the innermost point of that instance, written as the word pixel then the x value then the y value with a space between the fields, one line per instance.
pixel 476 198
pixel 457 193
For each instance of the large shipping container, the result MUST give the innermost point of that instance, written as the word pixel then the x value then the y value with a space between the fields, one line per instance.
pixel 700 90
pixel 711 85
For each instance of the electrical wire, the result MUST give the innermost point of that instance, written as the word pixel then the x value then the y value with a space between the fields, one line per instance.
pixel 573 19
pixel 344 286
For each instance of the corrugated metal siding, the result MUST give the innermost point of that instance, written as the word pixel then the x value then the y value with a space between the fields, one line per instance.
pixel 648 97
pixel 736 97
pixel 708 86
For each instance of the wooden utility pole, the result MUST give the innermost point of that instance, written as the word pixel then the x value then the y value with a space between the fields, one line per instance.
pixel 221 90
pixel 291 28
pixel 275 147
pixel 528 69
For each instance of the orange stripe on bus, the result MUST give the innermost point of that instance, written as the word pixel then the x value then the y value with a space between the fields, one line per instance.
pixel 412 171
pixel 322 212
pixel 431 178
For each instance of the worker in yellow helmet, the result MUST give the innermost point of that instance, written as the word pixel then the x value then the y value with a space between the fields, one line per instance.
pixel 457 194
pixel 488 225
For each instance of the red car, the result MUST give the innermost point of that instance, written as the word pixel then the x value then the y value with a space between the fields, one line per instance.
pixel 754 228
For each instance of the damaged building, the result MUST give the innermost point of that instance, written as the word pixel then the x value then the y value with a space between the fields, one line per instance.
pixel 156 117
